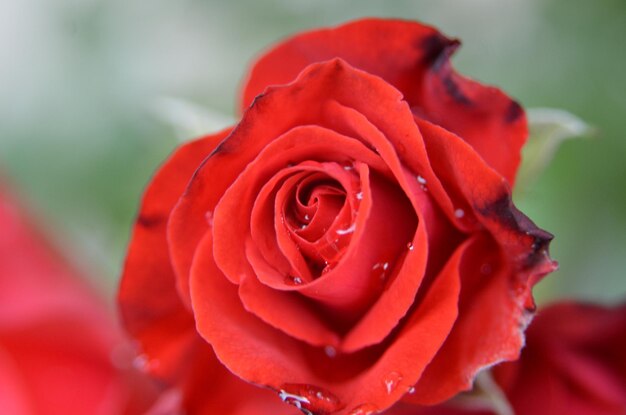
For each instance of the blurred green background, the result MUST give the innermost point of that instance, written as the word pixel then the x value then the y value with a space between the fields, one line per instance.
pixel 86 87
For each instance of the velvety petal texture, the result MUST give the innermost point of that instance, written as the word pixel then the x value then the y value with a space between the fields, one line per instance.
pixel 351 239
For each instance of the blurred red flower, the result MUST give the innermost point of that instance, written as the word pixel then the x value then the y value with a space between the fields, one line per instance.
pixel 58 339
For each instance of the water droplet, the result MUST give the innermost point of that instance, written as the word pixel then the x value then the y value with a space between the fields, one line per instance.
pixel 347 168
pixel 307 217
pixel 293 280
pixel 410 246
pixel 381 268
pixel 391 381
pixel 359 196
pixel 411 390
pixel 485 269
pixel 459 213
pixel 330 351
pixel 347 230
pixel 209 217
pixel 365 409
pixel 422 182
pixel 293 399
pixel 310 399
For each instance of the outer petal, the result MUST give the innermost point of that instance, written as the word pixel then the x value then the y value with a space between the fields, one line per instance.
pixel 415 59
pixel 497 276
pixel 209 389
pixel 151 308
pixel 155 314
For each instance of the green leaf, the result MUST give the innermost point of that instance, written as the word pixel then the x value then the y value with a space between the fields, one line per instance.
pixel 549 128
pixel 189 120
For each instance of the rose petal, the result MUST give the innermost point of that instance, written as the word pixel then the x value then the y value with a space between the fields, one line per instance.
pixel 263 355
pixel 209 389
pixel 415 59
pixel 465 176
pixel 150 306
pixel 286 311
pixel 399 294
pixel 490 304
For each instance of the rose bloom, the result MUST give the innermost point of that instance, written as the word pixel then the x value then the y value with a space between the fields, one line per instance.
pixel 349 243
pixel 58 340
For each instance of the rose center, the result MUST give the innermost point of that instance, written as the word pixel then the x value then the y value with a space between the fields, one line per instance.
pixel 319 221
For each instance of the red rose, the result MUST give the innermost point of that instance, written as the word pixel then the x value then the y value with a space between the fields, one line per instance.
pixel 352 239
pixel 57 338
pixel 573 363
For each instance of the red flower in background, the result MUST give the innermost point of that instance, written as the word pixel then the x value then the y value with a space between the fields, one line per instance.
pixel 352 241
pixel 573 363
pixel 56 335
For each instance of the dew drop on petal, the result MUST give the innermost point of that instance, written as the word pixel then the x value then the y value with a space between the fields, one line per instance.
pixel 365 409
pixel 310 399
pixel 347 230
pixel 485 269
pixel 293 280
pixel 330 351
pixel 422 182
pixel 293 399
pixel 380 269
pixel 410 246
pixel 391 381
pixel 411 390
pixel 459 213
pixel 359 196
